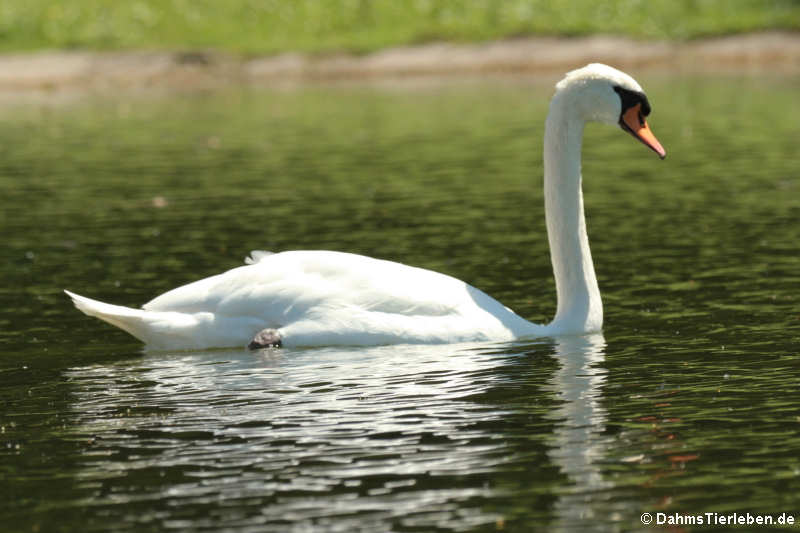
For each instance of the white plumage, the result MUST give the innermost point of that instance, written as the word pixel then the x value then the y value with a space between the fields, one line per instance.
pixel 334 298
pixel 316 298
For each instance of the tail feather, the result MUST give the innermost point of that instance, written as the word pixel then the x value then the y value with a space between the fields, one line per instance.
pixel 131 320
pixel 150 327
pixel 173 329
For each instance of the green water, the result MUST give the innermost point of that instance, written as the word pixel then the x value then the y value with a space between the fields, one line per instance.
pixel 688 403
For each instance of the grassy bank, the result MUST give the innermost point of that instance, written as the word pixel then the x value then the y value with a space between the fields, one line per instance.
pixel 269 26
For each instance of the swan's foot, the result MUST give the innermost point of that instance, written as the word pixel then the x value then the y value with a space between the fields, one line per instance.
pixel 266 338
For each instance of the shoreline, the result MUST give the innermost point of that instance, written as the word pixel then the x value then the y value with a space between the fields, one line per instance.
pixel 98 71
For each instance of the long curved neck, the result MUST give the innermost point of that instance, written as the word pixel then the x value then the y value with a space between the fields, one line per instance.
pixel 580 308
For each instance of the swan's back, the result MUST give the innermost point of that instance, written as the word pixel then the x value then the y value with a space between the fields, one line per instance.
pixel 304 279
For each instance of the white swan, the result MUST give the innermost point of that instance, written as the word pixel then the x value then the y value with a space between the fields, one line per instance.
pixel 305 298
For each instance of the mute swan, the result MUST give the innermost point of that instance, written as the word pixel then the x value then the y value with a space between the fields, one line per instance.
pixel 305 298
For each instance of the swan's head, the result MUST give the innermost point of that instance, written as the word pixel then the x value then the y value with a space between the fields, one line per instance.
pixel 604 94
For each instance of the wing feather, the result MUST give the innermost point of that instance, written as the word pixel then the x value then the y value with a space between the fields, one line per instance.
pixel 283 286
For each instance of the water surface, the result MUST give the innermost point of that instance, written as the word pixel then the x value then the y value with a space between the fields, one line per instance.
pixel 688 402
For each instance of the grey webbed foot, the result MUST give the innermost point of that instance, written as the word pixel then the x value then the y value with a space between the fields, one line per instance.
pixel 266 338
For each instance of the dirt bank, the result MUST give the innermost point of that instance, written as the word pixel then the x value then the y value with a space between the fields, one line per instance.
pixel 112 70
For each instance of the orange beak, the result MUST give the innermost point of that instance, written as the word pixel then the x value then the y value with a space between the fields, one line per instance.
pixel 634 123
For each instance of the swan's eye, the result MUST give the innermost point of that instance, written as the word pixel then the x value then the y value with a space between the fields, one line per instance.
pixel 629 99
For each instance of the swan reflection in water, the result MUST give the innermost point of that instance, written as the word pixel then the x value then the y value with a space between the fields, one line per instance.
pixel 418 434
pixel 579 446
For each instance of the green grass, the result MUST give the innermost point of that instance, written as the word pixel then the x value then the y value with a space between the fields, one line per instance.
pixel 269 26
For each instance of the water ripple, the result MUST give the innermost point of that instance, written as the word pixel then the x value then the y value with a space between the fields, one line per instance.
pixel 380 431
